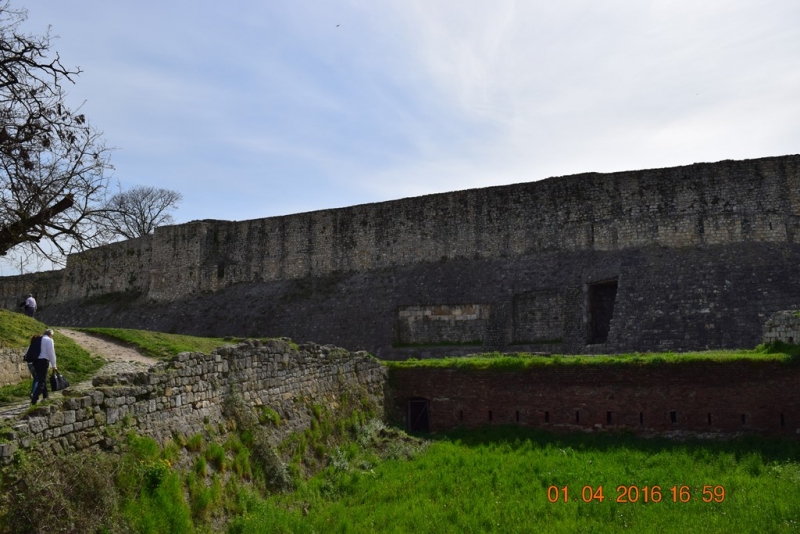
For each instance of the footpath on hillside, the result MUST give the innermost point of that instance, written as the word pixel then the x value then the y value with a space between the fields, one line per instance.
pixel 119 358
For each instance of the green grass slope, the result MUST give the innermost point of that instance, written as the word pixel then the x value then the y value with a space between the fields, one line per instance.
pixel 16 329
pixel 158 344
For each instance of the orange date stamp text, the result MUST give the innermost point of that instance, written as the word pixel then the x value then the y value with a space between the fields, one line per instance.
pixel 639 494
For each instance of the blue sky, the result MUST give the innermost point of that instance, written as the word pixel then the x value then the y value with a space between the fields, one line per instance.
pixel 254 109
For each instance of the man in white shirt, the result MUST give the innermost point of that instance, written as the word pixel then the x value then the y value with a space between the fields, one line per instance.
pixel 30 306
pixel 46 358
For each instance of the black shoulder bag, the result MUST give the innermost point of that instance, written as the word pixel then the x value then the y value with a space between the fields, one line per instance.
pixel 58 382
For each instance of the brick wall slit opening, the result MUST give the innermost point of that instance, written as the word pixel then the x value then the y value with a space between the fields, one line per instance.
pixel 746 396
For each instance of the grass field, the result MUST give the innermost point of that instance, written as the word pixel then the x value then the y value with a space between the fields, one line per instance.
pixel 497 480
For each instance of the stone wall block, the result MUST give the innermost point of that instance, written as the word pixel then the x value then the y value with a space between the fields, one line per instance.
pixel 7 450
pixel 112 416
pixel 37 424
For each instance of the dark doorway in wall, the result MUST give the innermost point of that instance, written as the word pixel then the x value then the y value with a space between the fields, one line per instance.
pixel 601 308
pixel 418 415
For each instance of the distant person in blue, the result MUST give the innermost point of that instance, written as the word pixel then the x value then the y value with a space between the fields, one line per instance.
pixel 47 357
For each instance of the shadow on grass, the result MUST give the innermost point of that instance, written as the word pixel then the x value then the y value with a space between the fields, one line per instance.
pixel 777 449
pixel 779 347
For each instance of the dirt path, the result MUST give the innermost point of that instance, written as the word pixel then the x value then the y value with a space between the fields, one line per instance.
pixel 110 350
pixel 120 359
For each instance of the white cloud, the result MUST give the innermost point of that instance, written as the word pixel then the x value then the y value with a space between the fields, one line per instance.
pixel 412 96
pixel 547 89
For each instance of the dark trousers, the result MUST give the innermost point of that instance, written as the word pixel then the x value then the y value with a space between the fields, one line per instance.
pixel 41 365
pixel 29 311
pixel 35 381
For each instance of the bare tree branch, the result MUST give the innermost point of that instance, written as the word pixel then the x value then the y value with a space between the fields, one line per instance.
pixel 53 164
pixel 138 211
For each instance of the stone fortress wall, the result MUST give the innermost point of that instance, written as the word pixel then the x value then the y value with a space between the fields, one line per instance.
pixel 184 395
pixel 678 258
pixel 703 204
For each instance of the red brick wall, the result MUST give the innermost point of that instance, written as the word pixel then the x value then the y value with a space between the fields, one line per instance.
pixel 638 397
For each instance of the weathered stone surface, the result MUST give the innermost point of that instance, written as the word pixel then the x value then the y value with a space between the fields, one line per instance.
pixel 12 366
pixel 37 424
pixel 8 449
pixel 783 326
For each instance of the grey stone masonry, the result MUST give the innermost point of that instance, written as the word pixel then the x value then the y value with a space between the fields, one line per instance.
pixel 783 326
pixel 685 258
pixel 187 393
pixel 12 366
pixel 697 205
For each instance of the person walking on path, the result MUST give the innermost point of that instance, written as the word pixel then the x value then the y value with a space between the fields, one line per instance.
pixel 47 357
pixel 30 305
pixel 34 349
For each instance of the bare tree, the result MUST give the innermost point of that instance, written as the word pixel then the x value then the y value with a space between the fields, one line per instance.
pixel 52 162
pixel 138 211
